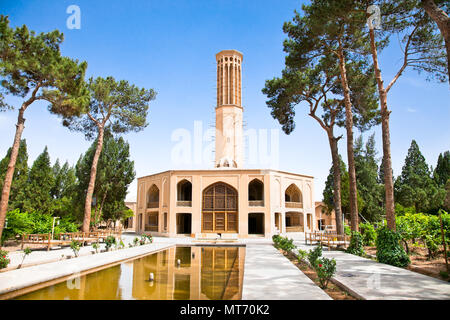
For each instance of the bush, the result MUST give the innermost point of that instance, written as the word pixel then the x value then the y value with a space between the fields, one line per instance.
pixel 347 230
pixel 136 241
pixel 325 269
pixel 283 243
pixel 302 255
pixel 369 235
pixel 423 227
pixel 356 244
pixel 287 244
pixel 109 241
pixel 20 223
pixel 4 260
pixel 389 250
pixel 95 246
pixel 314 255
pixel 75 246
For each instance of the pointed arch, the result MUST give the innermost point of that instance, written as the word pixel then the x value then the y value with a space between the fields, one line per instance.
pixel 293 196
pixel 220 208
pixel 153 197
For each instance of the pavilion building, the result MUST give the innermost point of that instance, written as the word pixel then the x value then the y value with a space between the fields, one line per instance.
pixel 227 198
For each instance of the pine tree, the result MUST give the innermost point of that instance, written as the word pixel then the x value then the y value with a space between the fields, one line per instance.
pixel 20 176
pixel 37 194
pixel 321 72
pixel 32 68
pixel 117 106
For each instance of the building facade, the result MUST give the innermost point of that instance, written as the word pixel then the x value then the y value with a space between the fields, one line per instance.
pixel 227 198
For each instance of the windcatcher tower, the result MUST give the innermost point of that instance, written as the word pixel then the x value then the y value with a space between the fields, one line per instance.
pixel 229 110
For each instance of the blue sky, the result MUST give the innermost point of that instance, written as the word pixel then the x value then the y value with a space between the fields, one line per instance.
pixel 171 45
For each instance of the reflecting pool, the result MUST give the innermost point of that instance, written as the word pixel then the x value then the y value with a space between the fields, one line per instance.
pixel 179 273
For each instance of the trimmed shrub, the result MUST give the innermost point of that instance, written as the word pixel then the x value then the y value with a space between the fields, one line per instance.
pixel 325 269
pixel 356 246
pixel 314 254
pixel 369 235
pixel 389 250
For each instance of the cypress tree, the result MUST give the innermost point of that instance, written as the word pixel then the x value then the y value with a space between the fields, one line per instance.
pixel 442 171
pixel 37 195
pixel 415 187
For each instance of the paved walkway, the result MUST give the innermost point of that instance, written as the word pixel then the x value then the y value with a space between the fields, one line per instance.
pixel 371 280
pixel 268 275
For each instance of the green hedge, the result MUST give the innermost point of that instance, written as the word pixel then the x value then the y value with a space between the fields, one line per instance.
pixel 389 250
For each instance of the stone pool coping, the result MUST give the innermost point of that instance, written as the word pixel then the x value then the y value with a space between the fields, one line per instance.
pixel 15 282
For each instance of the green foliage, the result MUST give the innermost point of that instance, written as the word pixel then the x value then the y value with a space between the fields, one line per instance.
pixel 366 168
pixel 37 196
pixel 314 255
pixel 441 173
pixel 389 250
pixel 95 246
pixel 345 194
pixel 115 172
pixel 347 230
pixel 369 235
pixel 325 269
pixel 424 227
pixel 415 187
pixel 110 241
pixel 284 243
pixel 135 241
pixel 356 245
pixel 4 260
pixel 75 246
pixel 302 255
pixel 20 223
pixel 32 65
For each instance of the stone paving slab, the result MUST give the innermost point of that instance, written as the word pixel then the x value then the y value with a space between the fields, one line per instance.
pixel 372 280
pixel 22 278
pixel 268 275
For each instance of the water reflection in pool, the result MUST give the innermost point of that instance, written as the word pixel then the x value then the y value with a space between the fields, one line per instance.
pixel 204 273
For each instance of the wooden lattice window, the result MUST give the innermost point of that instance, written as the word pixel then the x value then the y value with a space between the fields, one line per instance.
pixel 220 208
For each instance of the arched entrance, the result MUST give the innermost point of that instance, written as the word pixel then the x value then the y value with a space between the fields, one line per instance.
pixel 220 208
pixel 256 223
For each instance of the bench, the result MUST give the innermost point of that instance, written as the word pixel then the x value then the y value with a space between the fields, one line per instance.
pixel 67 237
pixel 327 239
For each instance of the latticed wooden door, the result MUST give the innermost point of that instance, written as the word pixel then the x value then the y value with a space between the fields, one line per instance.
pixel 220 213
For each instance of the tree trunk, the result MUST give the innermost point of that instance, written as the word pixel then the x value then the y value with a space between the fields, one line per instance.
pixel 10 170
pixel 443 22
pixel 90 190
pixel 387 162
pixel 337 183
pixel 350 154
